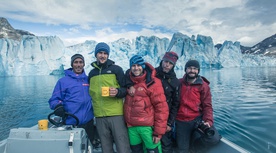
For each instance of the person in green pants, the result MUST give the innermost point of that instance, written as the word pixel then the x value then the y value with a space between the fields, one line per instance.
pixel 145 107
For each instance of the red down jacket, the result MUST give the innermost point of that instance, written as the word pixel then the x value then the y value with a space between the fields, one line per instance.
pixel 195 100
pixel 148 107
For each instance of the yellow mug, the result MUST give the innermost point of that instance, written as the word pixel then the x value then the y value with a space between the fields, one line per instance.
pixel 43 124
pixel 105 91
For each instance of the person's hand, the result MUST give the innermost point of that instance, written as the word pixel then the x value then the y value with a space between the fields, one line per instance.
pixel 168 128
pixel 59 111
pixel 113 91
pixel 131 91
pixel 155 139
pixel 207 124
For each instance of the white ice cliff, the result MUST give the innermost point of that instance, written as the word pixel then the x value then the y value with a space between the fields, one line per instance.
pixel 35 55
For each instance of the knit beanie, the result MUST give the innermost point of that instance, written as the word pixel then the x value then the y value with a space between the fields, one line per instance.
pixel 75 57
pixel 192 63
pixel 102 47
pixel 171 57
pixel 136 59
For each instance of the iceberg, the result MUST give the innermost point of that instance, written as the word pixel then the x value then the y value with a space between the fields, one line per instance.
pixel 41 55
pixel 31 56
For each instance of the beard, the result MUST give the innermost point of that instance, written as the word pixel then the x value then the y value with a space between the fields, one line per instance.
pixel 192 77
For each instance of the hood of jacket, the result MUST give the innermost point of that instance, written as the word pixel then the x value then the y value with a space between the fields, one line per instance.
pixel 69 72
pixel 199 80
pixel 98 65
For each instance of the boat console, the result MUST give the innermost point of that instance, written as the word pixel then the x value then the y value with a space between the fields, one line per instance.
pixel 56 139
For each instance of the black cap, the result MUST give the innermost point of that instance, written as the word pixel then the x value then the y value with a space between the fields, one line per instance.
pixel 75 57
pixel 194 63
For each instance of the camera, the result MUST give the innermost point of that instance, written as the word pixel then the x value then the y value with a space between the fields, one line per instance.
pixel 205 129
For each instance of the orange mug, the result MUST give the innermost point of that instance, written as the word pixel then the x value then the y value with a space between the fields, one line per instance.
pixel 105 91
pixel 43 124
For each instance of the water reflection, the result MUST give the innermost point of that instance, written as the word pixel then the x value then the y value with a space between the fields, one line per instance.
pixel 24 100
pixel 244 102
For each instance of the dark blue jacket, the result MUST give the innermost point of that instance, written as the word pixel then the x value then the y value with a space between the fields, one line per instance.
pixel 72 91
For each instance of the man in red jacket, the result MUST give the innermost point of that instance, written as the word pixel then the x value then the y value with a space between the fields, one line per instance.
pixel 195 112
pixel 145 108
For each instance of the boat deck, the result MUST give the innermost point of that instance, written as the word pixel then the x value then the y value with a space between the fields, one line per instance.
pixel 32 140
pixel 225 146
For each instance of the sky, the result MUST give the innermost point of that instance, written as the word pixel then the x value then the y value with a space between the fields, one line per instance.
pixel 75 21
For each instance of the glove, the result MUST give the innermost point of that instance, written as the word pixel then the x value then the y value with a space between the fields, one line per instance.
pixel 59 111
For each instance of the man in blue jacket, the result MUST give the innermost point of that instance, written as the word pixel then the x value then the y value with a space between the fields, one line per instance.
pixel 71 95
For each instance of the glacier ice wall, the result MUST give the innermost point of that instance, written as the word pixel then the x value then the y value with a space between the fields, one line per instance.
pixel 47 55
pixel 32 56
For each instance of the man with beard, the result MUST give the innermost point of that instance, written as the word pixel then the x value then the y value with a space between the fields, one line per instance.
pixel 195 111
pixel 165 72
pixel 108 109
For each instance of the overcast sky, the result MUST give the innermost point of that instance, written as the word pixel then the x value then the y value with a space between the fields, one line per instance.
pixel 74 21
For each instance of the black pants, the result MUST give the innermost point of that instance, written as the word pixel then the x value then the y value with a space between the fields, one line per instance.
pixel 184 132
pixel 166 142
pixel 89 129
pixel 187 136
pixel 201 142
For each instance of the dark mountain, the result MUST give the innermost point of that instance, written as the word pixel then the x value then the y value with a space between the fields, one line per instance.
pixel 244 48
pixel 266 47
pixel 7 31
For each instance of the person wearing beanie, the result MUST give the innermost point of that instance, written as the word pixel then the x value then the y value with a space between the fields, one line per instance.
pixel 136 59
pixel 108 110
pixel 102 47
pixel 145 107
pixel 171 57
pixel 192 63
pixel 170 83
pixel 71 95
pixel 195 111
pixel 75 59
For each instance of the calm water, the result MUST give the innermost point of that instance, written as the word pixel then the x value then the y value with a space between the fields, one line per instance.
pixel 244 102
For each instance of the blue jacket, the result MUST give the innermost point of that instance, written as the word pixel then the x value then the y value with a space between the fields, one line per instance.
pixel 72 91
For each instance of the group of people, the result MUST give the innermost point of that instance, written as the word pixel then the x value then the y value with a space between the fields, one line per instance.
pixel 148 109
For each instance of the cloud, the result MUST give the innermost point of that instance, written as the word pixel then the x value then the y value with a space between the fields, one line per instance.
pixel 242 20
pixel 107 35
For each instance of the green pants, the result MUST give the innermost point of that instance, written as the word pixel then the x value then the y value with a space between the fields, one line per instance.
pixel 143 134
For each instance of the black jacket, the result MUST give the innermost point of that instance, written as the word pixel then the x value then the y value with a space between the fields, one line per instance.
pixel 171 86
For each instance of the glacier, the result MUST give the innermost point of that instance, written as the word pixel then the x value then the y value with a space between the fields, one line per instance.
pixel 31 56
pixel 47 55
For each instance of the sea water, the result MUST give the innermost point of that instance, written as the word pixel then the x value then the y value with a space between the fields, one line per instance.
pixel 244 102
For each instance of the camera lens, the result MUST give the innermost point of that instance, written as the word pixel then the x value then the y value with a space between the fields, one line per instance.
pixel 209 132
